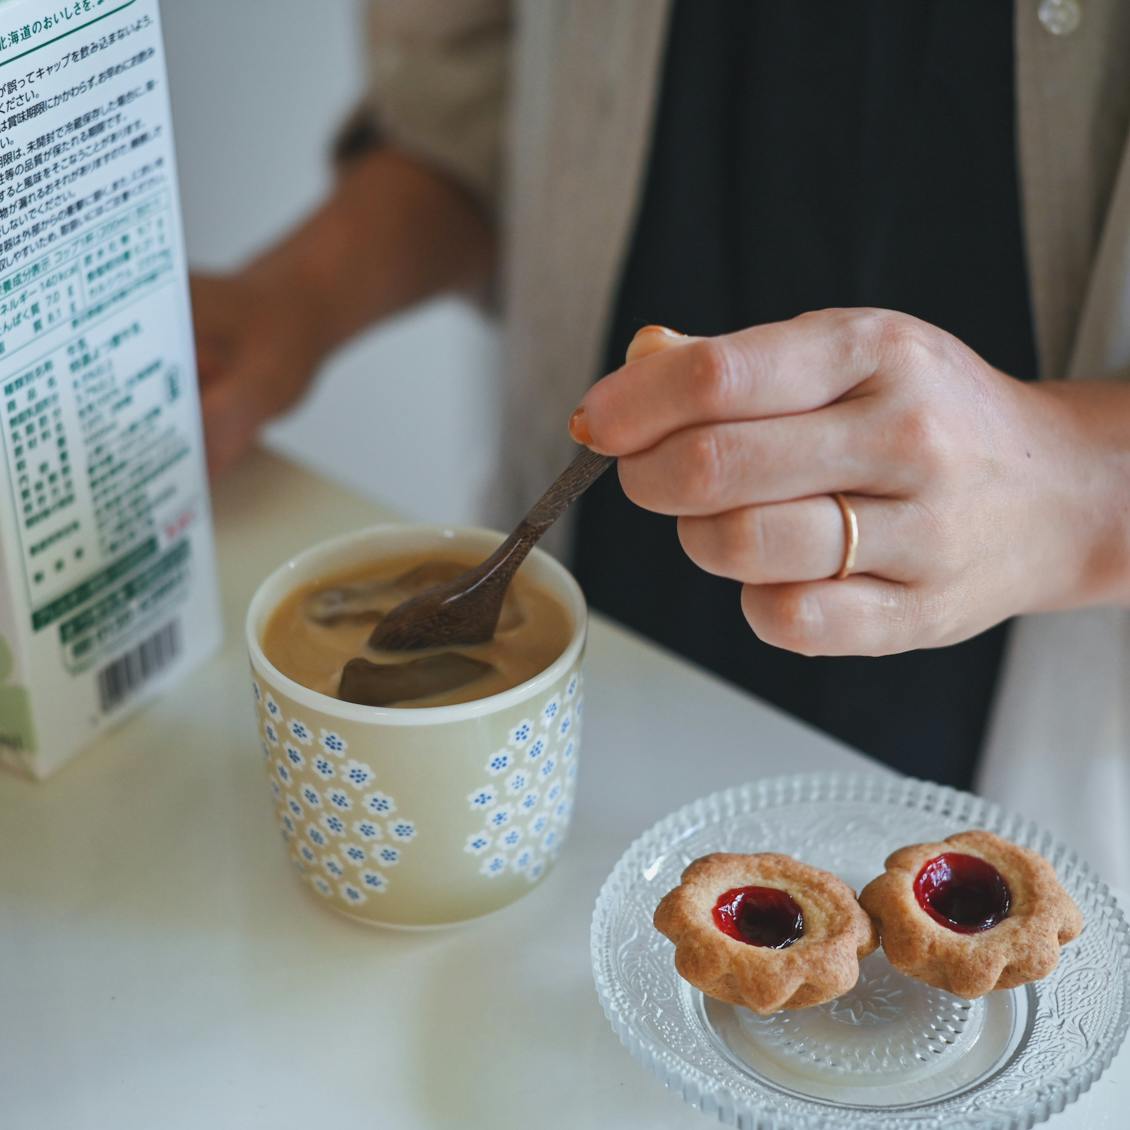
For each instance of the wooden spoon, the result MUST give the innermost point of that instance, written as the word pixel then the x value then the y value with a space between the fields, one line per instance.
pixel 466 610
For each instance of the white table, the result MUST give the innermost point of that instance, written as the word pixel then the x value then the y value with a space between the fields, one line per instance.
pixel 161 969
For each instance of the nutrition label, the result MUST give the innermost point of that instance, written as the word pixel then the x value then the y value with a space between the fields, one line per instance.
pixel 102 446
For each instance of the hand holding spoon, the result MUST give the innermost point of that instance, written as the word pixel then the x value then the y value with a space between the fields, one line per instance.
pixel 466 609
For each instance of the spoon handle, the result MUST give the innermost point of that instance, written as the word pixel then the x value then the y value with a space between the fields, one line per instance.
pixel 585 469
pixel 466 610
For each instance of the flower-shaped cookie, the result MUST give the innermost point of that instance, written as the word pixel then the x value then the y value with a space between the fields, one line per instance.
pixel 765 931
pixel 971 914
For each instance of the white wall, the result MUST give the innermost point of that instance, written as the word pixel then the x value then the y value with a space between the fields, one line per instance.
pixel 406 414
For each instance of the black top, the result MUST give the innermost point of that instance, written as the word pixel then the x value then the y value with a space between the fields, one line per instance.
pixel 808 155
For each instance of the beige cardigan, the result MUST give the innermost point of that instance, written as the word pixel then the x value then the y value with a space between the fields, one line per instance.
pixel 543 109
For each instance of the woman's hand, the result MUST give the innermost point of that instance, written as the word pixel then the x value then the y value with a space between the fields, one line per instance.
pixel 257 350
pixel 978 496
pixel 392 233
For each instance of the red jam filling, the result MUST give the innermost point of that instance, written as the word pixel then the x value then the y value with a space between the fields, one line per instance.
pixel 759 916
pixel 963 893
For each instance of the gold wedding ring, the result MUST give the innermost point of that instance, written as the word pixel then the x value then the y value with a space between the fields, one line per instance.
pixel 851 536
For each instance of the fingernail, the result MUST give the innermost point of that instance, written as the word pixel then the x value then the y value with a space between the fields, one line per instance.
pixel 579 427
pixel 659 330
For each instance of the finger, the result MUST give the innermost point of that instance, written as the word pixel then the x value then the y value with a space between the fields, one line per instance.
pixel 805 540
pixel 227 432
pixel 771 370
pixel 647 341
pixel 210 317
pixel 721 467
pixel 211 296
pixel 655 339
pixel 858 616
pixel 210 361
pixel 234 408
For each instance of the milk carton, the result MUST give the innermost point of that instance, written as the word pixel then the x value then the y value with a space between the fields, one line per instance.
pixel 107 580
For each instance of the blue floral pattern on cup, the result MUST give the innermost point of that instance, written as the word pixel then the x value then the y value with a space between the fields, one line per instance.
pixel 333 743
pixel 379 804
pixel 351 894
pixel 522 733
pixel 499 817
pixel 333 824
pixel 345 832
pixel 357 774
pixel 541 776
pixel 340 799
pixel 327 789
pixel 499 763
pixel 495 865
pixel 300 732
pixel 483 798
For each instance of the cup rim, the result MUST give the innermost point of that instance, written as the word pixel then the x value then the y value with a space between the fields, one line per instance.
pixel 409 715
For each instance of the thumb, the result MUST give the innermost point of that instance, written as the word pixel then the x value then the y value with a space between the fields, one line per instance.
pixel 655 339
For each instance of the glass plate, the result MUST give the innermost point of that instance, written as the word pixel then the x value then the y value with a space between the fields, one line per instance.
pixel 892 1053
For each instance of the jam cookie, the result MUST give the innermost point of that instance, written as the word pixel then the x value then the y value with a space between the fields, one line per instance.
pixel 765 931
pixel 971 914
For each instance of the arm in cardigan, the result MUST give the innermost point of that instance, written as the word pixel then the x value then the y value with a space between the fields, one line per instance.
pixel 411 216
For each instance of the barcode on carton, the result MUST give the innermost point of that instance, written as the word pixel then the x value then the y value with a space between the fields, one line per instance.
pixel 129 672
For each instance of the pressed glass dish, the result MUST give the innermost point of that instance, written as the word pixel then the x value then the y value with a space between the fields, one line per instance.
pixel 892 1053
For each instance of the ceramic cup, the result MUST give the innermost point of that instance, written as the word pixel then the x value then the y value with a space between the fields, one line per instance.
pixel 420 817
